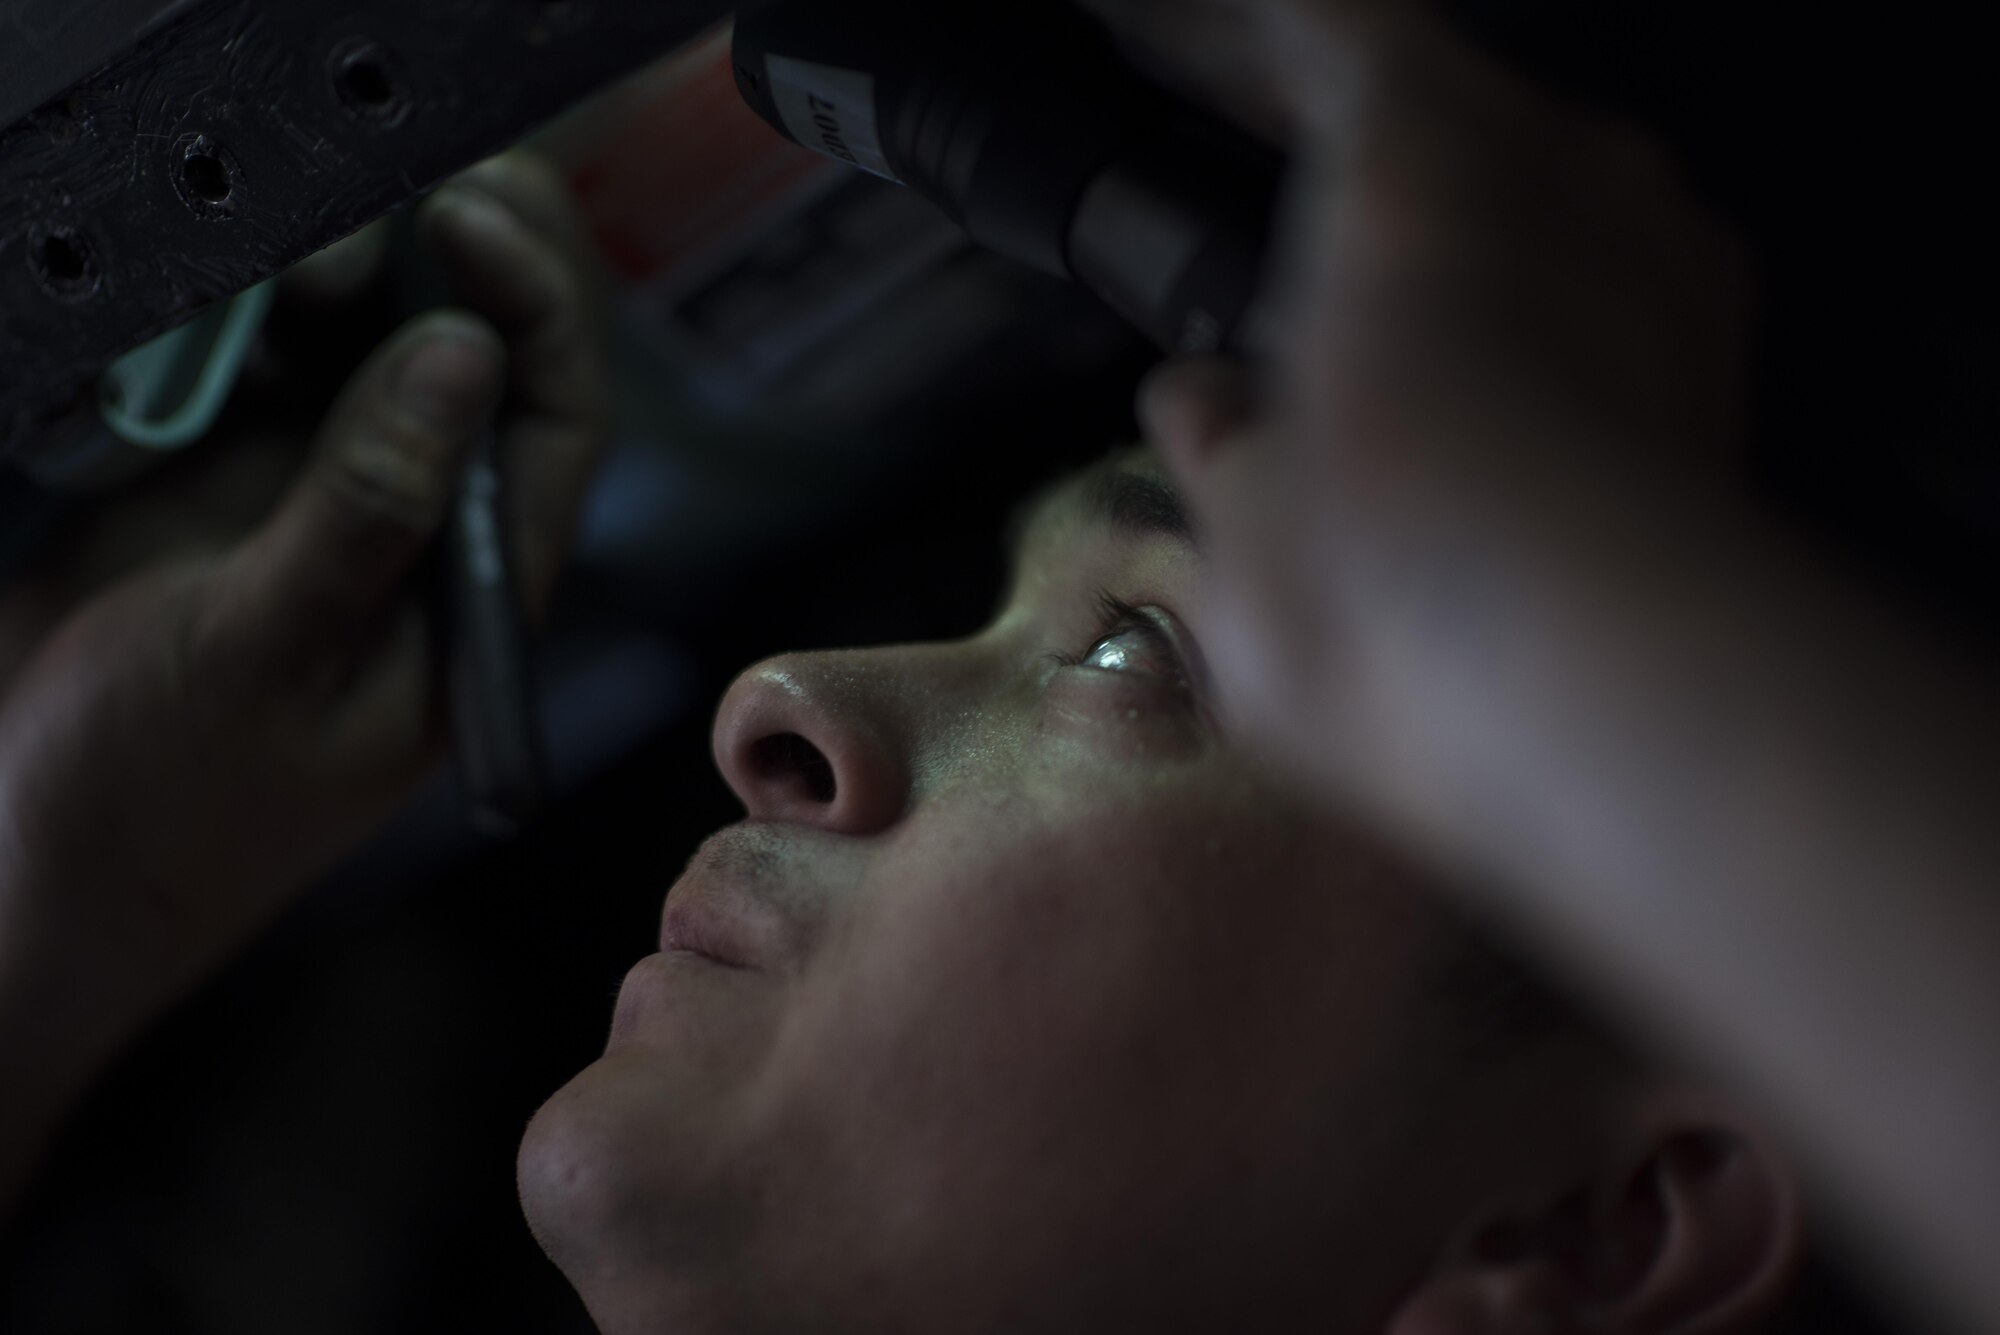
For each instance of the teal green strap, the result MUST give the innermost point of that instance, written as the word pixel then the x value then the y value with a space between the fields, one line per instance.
pixel 168 393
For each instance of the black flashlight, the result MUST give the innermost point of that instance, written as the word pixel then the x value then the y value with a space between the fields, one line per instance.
pixel 1024 123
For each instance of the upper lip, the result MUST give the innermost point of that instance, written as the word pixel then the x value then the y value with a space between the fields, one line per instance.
pixel 729 908
pixel 694 921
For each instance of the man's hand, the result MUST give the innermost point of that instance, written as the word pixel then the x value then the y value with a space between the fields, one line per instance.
pixel 1487 565
pixel 189 749
pixel 1506 333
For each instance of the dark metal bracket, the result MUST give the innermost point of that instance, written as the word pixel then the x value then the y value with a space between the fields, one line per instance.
pixel 236 137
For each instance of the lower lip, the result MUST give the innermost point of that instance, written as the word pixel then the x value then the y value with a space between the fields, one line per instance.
pixel 690 933
pixel 695 957
pixel 639 996
pixel 676 960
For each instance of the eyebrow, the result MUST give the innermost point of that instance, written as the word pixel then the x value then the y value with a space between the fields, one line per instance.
pixel 1139 505
pixel 1130 502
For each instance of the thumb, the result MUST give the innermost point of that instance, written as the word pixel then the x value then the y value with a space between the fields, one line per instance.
pixel 1201 415
pixel 1189 408
pixel 316 578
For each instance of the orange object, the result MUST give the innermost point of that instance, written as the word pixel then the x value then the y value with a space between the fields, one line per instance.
pixel 681 171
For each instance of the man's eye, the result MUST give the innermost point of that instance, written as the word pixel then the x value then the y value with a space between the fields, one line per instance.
pixel 1138 648
pixel 1131 640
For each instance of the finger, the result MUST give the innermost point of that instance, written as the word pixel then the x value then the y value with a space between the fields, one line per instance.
pixel 309 588
pixel 517 268
pixel 1190 406
pixel 1200 414
pixel 390 728
pixel 535 190
pixel 1218 468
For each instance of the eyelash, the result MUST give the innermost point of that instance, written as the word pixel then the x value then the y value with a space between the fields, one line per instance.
pixel 1114 614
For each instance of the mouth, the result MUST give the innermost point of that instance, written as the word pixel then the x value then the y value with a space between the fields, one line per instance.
pixel 694 924
pixel 749 899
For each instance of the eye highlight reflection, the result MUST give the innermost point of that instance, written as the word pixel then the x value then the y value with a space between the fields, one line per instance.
pixel 1107 656
pixel 1133 640
pixel 1128 650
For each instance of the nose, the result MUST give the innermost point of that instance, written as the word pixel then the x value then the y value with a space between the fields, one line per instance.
pixel 814 739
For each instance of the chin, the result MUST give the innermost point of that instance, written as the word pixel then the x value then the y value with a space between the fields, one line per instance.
pixel 616 1192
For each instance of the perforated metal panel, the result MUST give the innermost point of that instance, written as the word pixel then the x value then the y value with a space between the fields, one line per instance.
pixel 223 141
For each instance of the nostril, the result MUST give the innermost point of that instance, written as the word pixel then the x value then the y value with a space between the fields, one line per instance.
pixel 788 756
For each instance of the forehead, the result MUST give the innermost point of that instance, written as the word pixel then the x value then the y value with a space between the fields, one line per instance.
pixel 1127 493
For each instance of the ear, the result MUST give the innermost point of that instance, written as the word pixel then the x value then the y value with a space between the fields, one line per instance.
pixel 1690 1225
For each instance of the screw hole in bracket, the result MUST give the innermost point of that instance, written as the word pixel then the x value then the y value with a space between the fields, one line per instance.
pixel 207 176
pixel 367 82
pixel 64 262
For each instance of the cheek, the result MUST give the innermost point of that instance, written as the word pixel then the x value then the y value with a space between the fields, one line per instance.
pixel 1080 1006
pixel 1132 725
pixel 1020 946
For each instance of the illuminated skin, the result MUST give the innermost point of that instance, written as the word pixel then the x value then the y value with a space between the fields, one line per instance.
pixel 1050 1011
pixel 1056 1012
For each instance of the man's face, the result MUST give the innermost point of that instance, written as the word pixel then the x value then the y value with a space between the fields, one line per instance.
pixel 1020 1000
